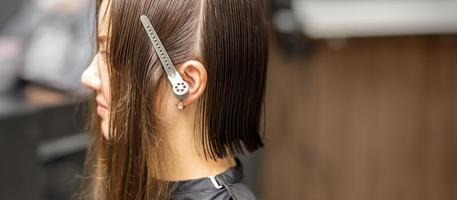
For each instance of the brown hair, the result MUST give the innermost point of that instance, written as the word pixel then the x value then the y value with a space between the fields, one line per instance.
pixel 229 37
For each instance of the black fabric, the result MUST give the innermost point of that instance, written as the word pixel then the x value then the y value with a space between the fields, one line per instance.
pixel 203 188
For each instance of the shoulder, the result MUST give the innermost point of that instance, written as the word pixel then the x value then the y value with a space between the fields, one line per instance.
pixel 237 191
pixel 241 191
pixel 224 186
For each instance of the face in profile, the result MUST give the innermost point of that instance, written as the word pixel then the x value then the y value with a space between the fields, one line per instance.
pixel 96 75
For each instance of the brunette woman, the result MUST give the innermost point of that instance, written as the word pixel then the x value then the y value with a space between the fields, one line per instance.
pixel 178 94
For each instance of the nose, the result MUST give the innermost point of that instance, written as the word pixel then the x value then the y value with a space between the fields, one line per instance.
pixel 90 78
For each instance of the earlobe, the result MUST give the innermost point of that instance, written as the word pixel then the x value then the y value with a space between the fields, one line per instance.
pixel 194 73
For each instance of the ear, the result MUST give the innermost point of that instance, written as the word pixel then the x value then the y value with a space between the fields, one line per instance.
pixel 194 73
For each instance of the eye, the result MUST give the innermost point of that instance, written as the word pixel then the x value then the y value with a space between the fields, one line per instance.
pixel 102 55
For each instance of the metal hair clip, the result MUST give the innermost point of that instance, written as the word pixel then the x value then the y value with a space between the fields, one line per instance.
pixel 180 87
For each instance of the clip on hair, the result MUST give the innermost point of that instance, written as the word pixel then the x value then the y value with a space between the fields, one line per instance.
pixel 180 87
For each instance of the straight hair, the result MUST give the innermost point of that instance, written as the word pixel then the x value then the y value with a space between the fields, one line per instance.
pixel 229 37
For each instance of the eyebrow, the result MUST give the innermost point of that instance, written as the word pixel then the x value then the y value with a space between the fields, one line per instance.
pixel 102 38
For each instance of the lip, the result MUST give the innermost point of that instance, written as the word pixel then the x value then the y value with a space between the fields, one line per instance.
pixel 101 108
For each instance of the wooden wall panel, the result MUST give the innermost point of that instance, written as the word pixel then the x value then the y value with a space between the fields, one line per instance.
pixel 374 120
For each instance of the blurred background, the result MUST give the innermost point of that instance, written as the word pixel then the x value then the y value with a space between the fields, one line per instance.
pixel 361 100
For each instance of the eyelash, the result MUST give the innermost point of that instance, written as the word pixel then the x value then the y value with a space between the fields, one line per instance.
pixel 102 54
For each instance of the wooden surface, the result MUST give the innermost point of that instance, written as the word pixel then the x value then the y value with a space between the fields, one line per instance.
pixel 376 119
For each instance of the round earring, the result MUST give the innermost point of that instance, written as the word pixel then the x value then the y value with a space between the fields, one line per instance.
pixel 181 105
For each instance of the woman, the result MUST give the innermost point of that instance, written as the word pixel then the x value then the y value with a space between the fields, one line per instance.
pixel 178 93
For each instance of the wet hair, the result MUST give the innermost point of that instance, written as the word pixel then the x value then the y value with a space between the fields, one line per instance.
pixel 228 37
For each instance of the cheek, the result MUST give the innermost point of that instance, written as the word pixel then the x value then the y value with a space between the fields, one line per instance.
pixel 106 92
pixel 105 84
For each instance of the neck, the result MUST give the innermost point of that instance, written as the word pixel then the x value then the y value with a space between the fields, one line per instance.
pixel 186 156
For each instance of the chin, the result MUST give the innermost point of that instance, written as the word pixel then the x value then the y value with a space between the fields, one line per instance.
pixel 105 134
pixel 105 129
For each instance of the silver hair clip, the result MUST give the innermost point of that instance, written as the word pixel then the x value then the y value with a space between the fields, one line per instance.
pixel 180 87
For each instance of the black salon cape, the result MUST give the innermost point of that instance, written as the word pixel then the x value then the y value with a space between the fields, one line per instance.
pixel 204 189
